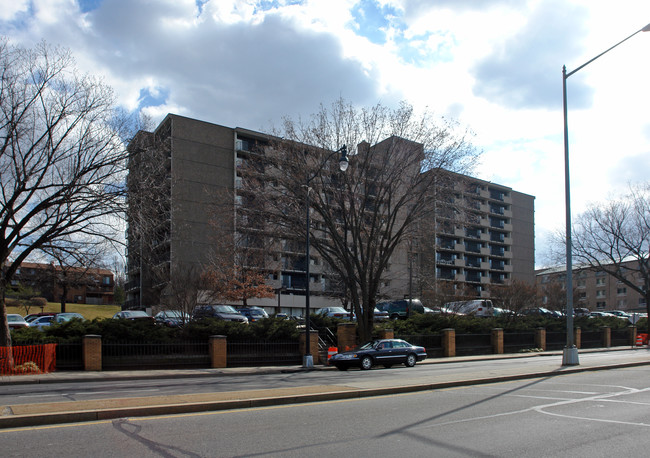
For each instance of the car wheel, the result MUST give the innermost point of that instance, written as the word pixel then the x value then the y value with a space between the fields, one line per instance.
pixel 342 368
pixel 366 363
pixel 410 360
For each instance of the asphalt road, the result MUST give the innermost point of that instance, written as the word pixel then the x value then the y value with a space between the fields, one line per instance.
pixel 81 389
pixel 583 414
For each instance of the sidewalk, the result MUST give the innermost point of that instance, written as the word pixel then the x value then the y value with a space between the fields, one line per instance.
pixel 21 415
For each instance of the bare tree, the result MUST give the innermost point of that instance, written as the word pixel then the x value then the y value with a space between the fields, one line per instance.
pixel 149 212
pixel 614 238
pixel 239 264
pixel 514 296
pixel 73 269
pixel 61 159
pixel 182 290
pixel 362 216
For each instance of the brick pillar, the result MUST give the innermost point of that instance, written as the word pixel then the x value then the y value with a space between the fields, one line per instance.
pixel 218 351
pixel 386 334
pixel 578 337
pixel 540 338
pixel 313 345
pixel 449 342
pixel 92 352
pixel 632 336
pixel 497 341
pixel 346 335
pixel 606 336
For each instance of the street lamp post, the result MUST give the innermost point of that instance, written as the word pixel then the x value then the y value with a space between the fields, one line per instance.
pixel 570 354
pixel 308 360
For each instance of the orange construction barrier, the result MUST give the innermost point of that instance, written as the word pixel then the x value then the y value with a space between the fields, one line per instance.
pixel 644 339
pixel 639 341
pixel 29 359
pixel 331 351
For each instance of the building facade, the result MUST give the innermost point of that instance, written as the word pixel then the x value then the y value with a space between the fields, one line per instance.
pixel 79 285
pixel 594 290
pixel 199 163
pixel 484 236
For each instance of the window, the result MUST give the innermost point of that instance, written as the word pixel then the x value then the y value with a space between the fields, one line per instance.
pixel 600 293
pixel 621 291
pixel 600 282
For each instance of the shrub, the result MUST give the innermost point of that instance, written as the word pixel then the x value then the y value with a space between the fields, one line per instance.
pixel 38 302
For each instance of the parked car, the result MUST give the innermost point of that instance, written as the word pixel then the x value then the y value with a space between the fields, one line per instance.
pixel 384 352
pixel 253 313
pixel 335 312
pixel 401 309
pixel 581 311
pixel 41 322
pixel 220 312
pixel 536 311
pixel 377 315
pixel 171 318
pixel 620 314
pixel 64 317
pixel 476 307
pixel 498 311
pixel 16 321
pixel 601 315
pixel 133 315
pixel 32 316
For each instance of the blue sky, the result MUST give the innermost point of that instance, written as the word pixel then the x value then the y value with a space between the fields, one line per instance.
pixel 494 65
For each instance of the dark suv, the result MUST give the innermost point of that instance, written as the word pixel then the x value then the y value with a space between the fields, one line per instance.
pixel 401 309
pixel 220 312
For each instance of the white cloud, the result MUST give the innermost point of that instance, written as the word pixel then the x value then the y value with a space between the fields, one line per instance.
pixel 496 65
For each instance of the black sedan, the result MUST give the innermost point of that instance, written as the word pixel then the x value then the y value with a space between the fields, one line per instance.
pixel 384 352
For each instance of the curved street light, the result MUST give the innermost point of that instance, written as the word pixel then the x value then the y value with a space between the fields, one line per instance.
pixel 570 354
pixel 308 360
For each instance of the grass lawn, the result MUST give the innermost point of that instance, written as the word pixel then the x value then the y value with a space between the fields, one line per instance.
pixel 88 311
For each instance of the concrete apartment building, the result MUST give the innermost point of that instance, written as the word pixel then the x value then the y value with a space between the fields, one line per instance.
pixel 200 160
pixel 594 290
pixel 493 241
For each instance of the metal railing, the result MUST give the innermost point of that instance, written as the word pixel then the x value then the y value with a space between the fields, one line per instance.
pixel 262 353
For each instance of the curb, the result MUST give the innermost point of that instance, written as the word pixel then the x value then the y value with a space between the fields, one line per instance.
pixel 18 421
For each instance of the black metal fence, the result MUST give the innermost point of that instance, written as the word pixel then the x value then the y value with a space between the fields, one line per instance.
pixel 69 356
pixel 555 340
pixel 516 342
pixel 262 353
pixel 432 343
pixel 620 337
pixel 155 355
pixel 473 344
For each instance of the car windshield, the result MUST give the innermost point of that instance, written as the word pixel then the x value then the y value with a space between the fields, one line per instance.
pixel 225 309
pixel 337 310
pixel 368 345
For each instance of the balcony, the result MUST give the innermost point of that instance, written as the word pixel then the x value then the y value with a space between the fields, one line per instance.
pixel 497 251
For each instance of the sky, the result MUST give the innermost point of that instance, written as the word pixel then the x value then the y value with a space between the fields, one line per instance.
pixel 493 65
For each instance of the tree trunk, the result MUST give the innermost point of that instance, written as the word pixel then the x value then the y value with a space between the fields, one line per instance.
pixel 5 333
pixel 64 294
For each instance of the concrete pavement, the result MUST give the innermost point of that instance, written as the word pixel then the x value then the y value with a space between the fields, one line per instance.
pixel 533 365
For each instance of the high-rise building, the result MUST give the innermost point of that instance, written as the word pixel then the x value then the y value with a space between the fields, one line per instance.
pixel 484 232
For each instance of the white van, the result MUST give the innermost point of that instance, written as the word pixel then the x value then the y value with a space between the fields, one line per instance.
pixel 478 307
